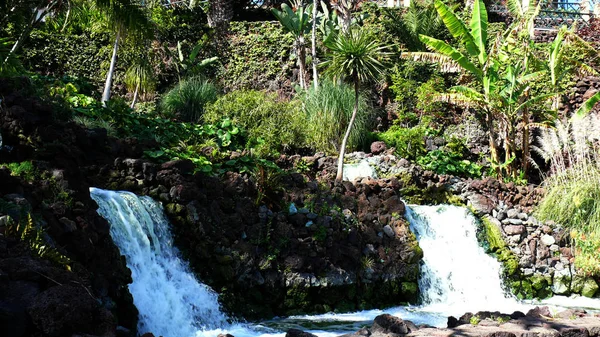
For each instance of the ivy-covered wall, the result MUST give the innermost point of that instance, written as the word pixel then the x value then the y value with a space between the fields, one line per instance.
pixel 259 57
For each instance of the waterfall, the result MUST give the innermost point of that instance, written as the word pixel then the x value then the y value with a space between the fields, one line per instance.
pixel 171 302
pixel 456 274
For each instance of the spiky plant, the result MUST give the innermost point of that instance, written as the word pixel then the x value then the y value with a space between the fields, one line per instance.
pixel 359 57
pixel 188 99
pixel 328 110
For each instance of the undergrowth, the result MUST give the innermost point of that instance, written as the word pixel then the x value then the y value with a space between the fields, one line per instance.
pixel 27 228
pixel 573 191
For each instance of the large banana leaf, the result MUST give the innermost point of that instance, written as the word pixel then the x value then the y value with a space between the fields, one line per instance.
pixel 479 26
pixel 587 106
pixel 445 49
pixel 457 28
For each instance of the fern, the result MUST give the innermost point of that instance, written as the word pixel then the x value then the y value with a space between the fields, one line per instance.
pixel 28 229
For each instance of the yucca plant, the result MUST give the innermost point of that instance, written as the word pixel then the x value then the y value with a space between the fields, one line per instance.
pixel 358 57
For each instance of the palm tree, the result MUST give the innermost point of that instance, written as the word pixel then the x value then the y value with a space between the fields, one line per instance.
pixel 125 17
pixel 139 79
pixel 359 57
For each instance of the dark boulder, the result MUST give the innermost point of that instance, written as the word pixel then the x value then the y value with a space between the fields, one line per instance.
pixel 387 323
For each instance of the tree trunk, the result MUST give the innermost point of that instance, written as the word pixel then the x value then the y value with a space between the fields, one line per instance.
pixel 340 168
pixel 314 46
pixel 111 70
pixel 66 17
pixel 135 95
pixel 32 22
pixel 302 62
pixel 525 141
pixel 492 144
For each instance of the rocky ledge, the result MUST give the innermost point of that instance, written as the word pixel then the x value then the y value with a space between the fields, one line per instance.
pixel 538 322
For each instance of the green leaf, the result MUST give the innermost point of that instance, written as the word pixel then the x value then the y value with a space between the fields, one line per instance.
pixel 445 49
pixel 456 27
pixel 587 106
pixel 479 26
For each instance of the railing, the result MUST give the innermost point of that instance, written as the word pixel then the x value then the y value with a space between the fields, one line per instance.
pixel 554 14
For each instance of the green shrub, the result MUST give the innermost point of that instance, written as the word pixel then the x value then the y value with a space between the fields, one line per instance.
pixel 408 142
pixel 414 84
pixel 273 125
pixel 328 111
pixel 188 99
pixel 447 162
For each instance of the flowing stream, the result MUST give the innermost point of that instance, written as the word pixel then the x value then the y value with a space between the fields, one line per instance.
pixel 457 276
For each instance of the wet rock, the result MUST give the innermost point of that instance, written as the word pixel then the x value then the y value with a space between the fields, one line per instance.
pixel 481 204
pixel 63 310
pixel 539 312
pixel 590 288
pixel 298 333
pixel 387 323
pixel 389 231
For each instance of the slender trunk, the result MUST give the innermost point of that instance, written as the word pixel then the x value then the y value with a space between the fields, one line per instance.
pixel 66 16
pixel 340 168
pixel 19 42
pixel 314 46
pixel 111 70
pixel 135 95
pixel 302 62
pixel 32 22
pixel 492 144
pixel 525 141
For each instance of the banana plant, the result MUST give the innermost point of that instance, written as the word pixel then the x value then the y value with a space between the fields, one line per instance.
pixel 189 66
pixel 299 24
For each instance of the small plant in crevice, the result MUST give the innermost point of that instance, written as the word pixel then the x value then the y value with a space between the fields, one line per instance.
pixel 28 229
pixel 475 320
pixel 25 170
pixel 320 234
pixel 267 178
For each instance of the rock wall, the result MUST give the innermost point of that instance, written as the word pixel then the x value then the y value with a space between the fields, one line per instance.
pixel 537 257
pixel 39 297
pixel 307 247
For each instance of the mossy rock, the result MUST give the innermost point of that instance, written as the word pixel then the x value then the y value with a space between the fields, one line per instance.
pixel 410 289
pixel 590 288
pixel 493 234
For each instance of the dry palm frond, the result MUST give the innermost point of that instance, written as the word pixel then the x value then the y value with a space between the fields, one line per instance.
pixel 446 63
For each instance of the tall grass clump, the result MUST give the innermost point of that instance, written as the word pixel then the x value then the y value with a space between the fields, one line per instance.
pixel 187 100
pixel 328 111
pixel 273 125
pixel 573 186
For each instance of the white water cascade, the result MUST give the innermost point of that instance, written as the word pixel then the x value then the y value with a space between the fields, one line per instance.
pixel 171 302
pixel 457 275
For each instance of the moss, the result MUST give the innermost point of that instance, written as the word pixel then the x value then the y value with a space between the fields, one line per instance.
pixel 410 289
pixel 538 282
pixel 493 235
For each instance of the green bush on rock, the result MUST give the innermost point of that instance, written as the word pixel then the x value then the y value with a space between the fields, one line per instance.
pixel 273 125
pixel 187 100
